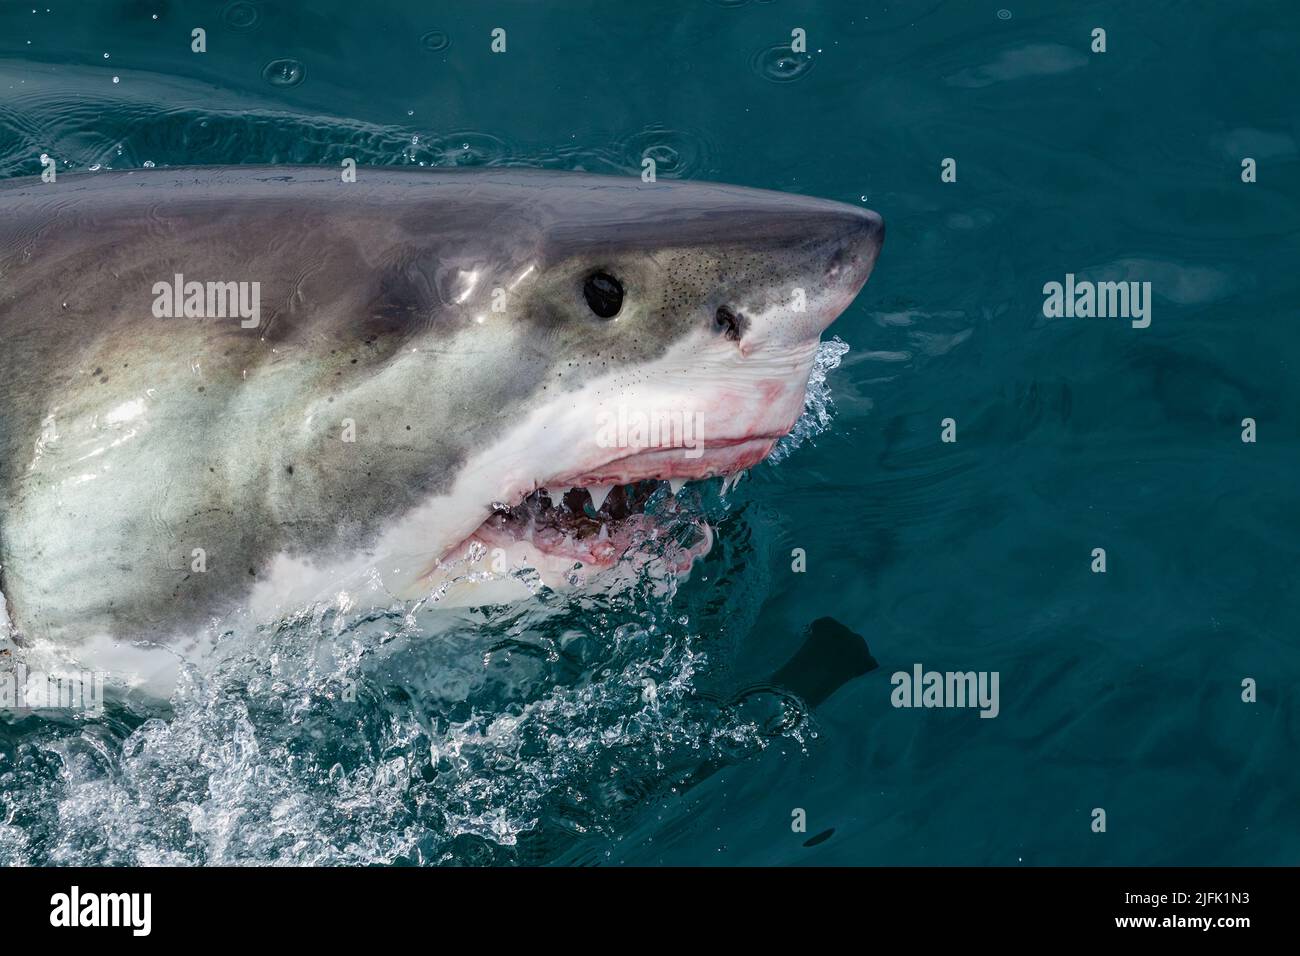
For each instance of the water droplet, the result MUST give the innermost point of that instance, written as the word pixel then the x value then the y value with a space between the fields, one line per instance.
pixel 148 164
pixel 468 148
pixel 780 64
pixel 284 72
pixel 117 79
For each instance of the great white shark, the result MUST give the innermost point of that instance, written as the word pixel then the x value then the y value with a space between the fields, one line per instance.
pixel 260 387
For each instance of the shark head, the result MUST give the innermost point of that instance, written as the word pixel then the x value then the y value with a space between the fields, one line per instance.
pixel 593 344
pixel 435 369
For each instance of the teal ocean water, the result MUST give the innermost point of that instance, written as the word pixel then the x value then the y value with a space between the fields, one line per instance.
pixel 641 728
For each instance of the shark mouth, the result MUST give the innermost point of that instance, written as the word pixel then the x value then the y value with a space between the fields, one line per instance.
pixel 627 506
pixel 575 524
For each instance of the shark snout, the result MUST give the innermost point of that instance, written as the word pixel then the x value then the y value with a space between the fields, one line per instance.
pixel 820 274
pixel 854 247
pixel 849 254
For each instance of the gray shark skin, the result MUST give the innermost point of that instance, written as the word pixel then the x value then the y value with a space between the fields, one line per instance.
pixel 425 350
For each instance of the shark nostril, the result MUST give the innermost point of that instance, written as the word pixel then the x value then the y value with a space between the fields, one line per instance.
pixel 729 323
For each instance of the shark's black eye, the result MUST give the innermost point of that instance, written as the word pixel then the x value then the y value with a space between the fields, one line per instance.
pixel 604 294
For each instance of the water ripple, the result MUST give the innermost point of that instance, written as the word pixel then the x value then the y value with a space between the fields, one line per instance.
pixel 284 72
pixel 75 132
pixel 241 16
pixel 435 41
pixel 780 64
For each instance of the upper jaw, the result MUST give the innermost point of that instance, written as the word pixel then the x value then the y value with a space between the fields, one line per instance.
pixel 714 458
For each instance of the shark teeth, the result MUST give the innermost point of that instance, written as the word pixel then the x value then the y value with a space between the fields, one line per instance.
pixel 562 522
pixel 729 482
pixel 557 493
pixel 598 494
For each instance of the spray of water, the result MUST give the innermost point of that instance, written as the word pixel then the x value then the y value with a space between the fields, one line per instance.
pixel 818 407
pixel 413 735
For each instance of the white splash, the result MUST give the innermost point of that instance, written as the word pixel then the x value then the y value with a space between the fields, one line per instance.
pixel 818 406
